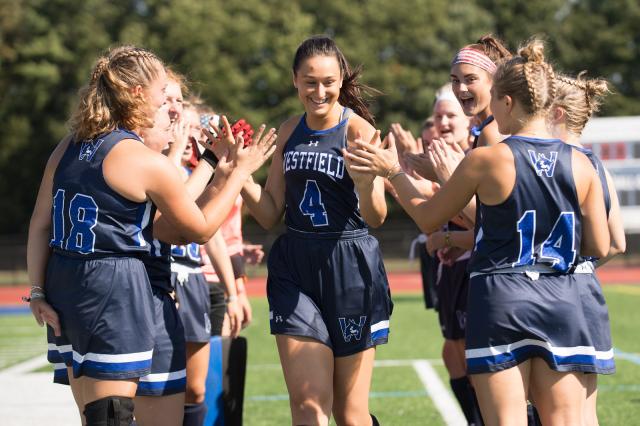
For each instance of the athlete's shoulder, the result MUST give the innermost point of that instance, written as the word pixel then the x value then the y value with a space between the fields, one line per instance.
pixel 286 129
pixel 490 135
pixel 357 123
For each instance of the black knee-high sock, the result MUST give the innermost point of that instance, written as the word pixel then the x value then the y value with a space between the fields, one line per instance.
pixel 194 414
pixel 477 416
pixel 460 388
pixel 532 416
pixel 374 421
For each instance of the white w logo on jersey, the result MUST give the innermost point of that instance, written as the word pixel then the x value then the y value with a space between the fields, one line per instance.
pixel 542 164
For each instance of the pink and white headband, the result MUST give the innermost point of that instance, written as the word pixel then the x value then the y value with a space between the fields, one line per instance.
pixel 467 55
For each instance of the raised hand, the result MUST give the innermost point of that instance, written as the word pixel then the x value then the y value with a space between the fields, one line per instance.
pixel 360 178
pixel 421 165
pixel 251 157
pixel 376 160
pixel 445 158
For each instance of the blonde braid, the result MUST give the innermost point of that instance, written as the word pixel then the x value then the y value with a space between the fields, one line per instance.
pixel 551 81
pixel 99 69
pixel 530 79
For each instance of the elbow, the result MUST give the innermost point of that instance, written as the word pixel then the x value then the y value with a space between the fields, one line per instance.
pixel 377 221
pixel 617 248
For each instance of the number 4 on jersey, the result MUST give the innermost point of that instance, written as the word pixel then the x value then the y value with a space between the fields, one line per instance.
pixel 311 204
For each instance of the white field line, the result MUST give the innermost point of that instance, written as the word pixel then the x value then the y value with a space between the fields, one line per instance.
pixel 26 366
pixel 444 402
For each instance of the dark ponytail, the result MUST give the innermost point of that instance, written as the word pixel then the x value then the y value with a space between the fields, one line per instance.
pixel 352 94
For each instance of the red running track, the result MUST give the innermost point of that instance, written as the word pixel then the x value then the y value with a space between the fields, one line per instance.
pixel 407 282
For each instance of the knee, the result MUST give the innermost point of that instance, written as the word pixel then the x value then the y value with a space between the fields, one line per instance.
pixel 310 410
pixel 194 393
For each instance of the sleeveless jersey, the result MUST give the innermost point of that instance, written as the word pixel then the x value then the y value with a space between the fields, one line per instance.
pixel 188 255
pixel 477 130
pixel 90 218
pixel 539 224
pixel 319 196
pixel 158 265
pixel 597 164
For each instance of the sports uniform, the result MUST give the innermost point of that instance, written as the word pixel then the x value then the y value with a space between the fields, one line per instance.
pixel 168 368
pixel 453 290
pixel 192 292
pixel 326 277
pixel 593 302
pixel 95 279
pixel 525 292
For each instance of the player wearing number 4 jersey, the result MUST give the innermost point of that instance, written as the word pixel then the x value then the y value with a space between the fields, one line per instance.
pixel 540 207
pixel 328 294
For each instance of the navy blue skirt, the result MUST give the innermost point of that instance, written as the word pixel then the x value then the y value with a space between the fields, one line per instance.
pixel 512 318
pixel 106 311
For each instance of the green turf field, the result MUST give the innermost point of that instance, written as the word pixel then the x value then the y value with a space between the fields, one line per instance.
pixel 398 396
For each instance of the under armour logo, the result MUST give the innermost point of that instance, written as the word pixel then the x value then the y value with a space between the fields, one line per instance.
pixel 352 329
pixel 89 148
pixel 542 164
pixel 313 143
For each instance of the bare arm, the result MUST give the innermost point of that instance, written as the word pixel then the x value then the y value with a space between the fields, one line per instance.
pixel 137 173
pixel 38 250
pixel 266 204
pixel 217 251
pixel 595 233
pixel 370 188
pixel 616 227
pixel 446 203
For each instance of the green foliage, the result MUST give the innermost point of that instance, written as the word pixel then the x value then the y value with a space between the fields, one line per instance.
pixel 237 56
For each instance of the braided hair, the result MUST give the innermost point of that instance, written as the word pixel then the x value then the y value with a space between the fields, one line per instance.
pixel 107 101
pixel 528 79
pixel 580 98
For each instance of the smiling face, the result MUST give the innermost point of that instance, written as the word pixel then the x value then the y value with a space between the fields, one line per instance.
pixel 155 93
pixel 451 123
pixel 174 99
pixel 158 137
pixel 471 85
pixel 318 80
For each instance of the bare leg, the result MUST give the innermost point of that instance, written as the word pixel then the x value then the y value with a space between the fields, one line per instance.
pixel 76 390
pixel 560 397
pixel 351 385
pixel 503 395
pixel 197 368
pixel 308 372
pixel 159 410
pixel 591 409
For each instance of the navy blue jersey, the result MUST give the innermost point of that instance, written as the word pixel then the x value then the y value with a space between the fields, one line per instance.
pixel 540 221
pixel 88 217
pixel 597 164
pixel 158 265
pixel 319 195
pixel 187 254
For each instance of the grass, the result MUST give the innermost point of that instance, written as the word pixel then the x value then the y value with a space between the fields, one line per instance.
pixel 398 397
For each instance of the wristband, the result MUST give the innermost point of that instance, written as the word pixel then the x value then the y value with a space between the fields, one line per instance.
pixel 232 298
pixel 210 158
